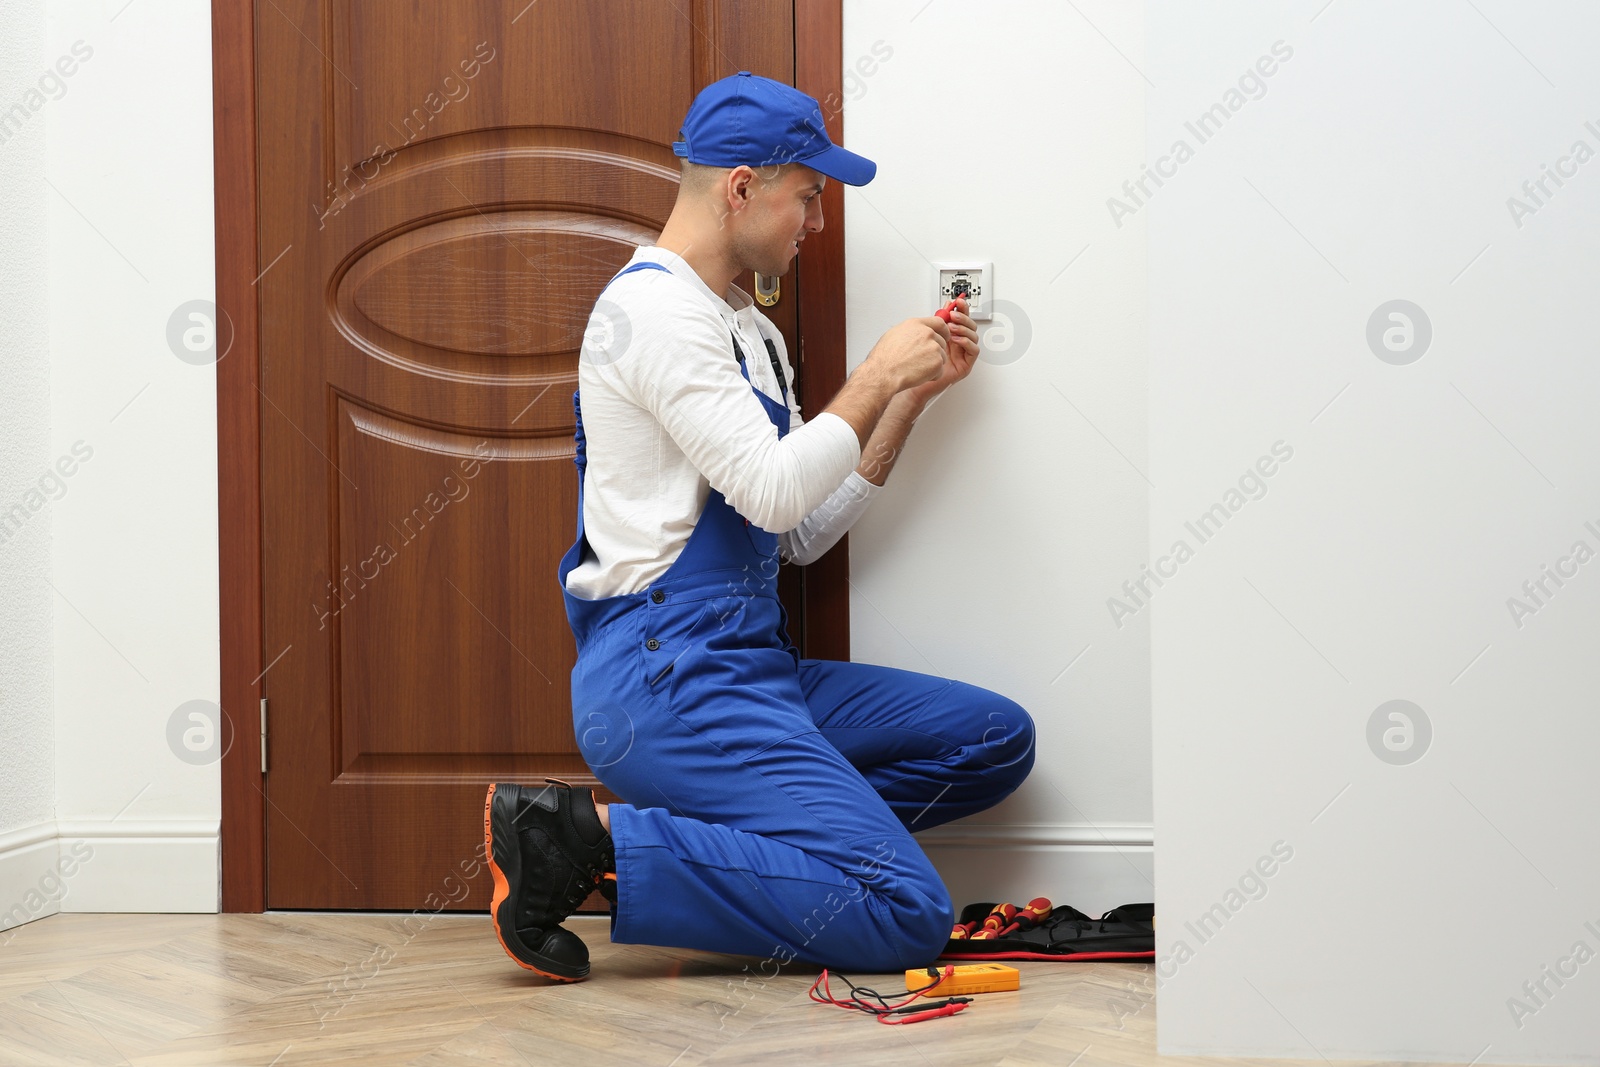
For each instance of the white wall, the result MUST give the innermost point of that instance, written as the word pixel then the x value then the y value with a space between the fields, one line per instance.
pixel 136 541
pixel 1416 898
pixel 115 232
pixel 1021 502
pixel 27 756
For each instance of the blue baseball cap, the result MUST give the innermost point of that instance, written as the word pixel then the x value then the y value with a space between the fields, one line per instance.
pixel 747 120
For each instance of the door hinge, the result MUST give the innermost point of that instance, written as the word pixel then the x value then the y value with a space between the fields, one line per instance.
pixel 263 735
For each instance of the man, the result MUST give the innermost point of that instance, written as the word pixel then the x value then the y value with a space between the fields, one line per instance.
pixel 770 799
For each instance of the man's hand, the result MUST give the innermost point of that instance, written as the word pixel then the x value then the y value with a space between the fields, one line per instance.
pixel 962 353
pixel 911 353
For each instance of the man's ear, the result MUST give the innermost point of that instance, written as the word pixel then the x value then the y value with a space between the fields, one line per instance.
pixel 741 178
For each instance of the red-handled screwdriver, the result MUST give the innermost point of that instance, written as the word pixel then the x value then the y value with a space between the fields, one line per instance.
pixel 1030 916
pixel 944 312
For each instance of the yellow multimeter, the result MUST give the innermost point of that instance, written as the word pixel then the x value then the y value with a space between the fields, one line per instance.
pixel 968 978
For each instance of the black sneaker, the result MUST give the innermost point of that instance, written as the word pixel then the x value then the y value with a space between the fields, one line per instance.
pixel 547 851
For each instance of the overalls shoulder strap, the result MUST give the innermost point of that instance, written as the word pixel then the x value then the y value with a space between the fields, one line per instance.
pixel 772 357
pixel 642 265
pixel 738 353
pixel 775 410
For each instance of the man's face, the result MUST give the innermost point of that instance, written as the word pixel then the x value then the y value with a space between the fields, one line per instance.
pixel 778 218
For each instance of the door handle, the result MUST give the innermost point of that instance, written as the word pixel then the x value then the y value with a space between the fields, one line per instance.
pixel 767 290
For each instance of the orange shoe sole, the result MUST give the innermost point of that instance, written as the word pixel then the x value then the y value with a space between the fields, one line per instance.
pixel 502 890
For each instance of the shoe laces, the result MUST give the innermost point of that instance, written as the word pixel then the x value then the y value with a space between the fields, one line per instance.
pixel 579 889
pixel 593 874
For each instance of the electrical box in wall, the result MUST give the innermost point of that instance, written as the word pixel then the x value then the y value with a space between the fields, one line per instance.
pixel 975 281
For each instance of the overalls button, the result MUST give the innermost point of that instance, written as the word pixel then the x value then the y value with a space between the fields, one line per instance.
pixel 657 595
pixel 652 644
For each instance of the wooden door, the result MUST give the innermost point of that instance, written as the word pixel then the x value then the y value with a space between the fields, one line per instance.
pixel 447 184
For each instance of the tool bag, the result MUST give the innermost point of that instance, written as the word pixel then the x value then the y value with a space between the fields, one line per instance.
pixel 1123 933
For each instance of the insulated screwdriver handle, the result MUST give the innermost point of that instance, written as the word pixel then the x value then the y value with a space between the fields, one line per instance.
pixel 1030 916
pixel 944 312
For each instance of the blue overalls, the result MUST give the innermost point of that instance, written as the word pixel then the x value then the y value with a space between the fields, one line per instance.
pixel 770 799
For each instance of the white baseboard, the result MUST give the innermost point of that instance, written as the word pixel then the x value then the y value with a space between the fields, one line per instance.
pixel 167 865
pixel 1092 868
pixel 29 886
pixel 118 865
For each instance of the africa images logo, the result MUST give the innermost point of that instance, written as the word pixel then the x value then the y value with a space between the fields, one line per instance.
pixel 1252 485
pixel 1251 85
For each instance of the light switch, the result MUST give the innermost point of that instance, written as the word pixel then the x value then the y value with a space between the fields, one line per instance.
pixel 975 281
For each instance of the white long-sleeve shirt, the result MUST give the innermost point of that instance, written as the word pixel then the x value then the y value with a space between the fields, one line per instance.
pixel 667 417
